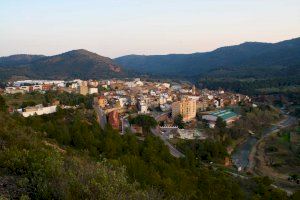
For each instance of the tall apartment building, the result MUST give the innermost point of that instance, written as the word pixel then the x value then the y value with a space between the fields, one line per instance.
pixel 186 108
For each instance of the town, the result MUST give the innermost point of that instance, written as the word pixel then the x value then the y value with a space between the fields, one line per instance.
pixel 117 100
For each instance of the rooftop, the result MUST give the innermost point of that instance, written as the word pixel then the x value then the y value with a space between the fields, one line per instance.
pixel 224 114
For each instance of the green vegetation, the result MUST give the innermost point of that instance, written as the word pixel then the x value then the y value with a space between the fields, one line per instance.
pixel 279 85
pixel 22 100
pixel 262 189
pixel 33 98
pixel 145 121
pixel 3 106
pixel 206 151
pixel 70 99
pixel 66 155
pixel 282 151
pixel 178 121
pixel 220 123
pixel 247 60
pixel 73 64
pixel 43 170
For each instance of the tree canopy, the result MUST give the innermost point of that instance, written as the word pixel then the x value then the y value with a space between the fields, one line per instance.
pixel 145 121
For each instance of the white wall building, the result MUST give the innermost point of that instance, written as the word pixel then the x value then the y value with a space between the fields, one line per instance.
pixel 38 110
pixel 93 90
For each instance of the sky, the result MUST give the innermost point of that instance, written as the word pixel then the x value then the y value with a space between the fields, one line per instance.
pixel 120 27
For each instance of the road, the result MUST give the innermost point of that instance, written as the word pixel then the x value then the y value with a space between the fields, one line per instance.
pixel 173 150
pixel 100 116
pixel 241 155
pixel 157 132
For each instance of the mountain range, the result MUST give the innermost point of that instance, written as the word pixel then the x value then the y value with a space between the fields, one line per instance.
pixel 247 60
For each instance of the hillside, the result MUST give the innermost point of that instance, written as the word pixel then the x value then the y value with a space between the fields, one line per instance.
pixel 73 64
pixel 18 59
pixel 249 56
pixel 66 155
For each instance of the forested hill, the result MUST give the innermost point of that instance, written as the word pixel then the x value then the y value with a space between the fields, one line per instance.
pixel 73 64
pixel 18 59
pixel 252 56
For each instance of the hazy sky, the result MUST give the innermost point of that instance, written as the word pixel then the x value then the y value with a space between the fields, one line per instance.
pixel 120 27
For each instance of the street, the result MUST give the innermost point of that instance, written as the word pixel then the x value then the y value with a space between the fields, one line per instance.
pixel 100 116
pixel 172 149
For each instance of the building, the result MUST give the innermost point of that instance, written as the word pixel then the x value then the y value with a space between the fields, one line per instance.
pixel 93 90
pixel 38 110
pixel 202 105
pixel 113 119
pixel 102 101
pixel 143 108
pixel 37 87
pixel 194 90
pixel 186 108
pixel 227 115
pixel 83 89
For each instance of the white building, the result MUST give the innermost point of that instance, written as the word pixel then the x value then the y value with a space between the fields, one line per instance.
pixel 13 90
pixel 176 87
pixel 166 85
pixel 93 90
pixel 38 110
pixel 37 87
pixel 143 108
pixel 25 88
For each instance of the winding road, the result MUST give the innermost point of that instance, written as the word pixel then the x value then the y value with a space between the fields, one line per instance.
pixel 173 150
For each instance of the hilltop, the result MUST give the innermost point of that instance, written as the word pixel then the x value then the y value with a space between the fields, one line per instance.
pixel 73 64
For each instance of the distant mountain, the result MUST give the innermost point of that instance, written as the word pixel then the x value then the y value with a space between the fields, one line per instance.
pixel 18 59
pixel 240 59
pixel 73 64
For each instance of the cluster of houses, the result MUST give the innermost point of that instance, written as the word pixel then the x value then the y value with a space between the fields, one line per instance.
pixel 117 98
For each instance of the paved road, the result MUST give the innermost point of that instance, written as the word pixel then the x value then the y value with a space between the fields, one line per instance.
pixel 241 155
pixel 100 116
pixel 173 150
pixel 156 131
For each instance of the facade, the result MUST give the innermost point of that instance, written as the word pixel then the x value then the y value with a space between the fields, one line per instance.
pixel 83 89
pixel 194 90
pixel 93 90
pixel 202 105
pixel 186 108
pixel 143 108
pixel 38 110
pixel 102 101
